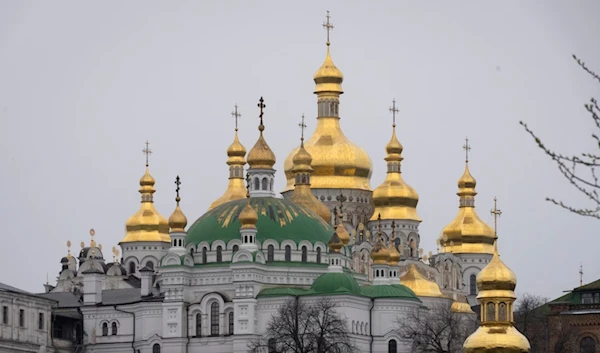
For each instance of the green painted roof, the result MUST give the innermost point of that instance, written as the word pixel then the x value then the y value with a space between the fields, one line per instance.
pixel 278 219
pixel 389 291
pixel 335 282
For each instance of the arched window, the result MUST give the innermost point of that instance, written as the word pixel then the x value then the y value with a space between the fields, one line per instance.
pixel 473 285
pixel 272 345
pixel 304 254
pixel 256 184
pixel 150 265
pixel 198 324
pixel 288 253
pixel 271 188
pixel 502 312
pixel 219 254
pixel 270 253
pixel 265 184
pixel 156 348
pixel 318 255
pixel 214 319
pixel 105 329
pixel 413 248
pixel 192 251
pixel 113 328
pixel 397 244
pixel 236 248
pixel 392 346
pixel 131 267
pixel 230 322
pixel 587 345
pixel 491 312
pixel 204 255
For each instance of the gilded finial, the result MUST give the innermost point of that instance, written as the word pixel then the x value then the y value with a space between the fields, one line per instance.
pixel 248 186
pixel 236 115
pixel 261 105
pixel 328 26
pixel 496 213
pixel 467 148
pixel 177 182
pixel 379 225
pixel 302 127
pixel 394 110
pixel 581 274
pixel 147 151
pixel 82 245
pixel 69 251
pixel 92 241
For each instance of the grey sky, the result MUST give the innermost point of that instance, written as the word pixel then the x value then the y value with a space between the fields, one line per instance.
pixel 84 84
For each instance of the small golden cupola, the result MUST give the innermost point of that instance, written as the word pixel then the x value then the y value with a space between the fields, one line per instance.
pixel 496 333
pixel 261 160
pixel 419 284
pixel 467 233
pixel 335 243
pixel 380 254
pixel 147 225
pixel 340 229
pixel 177 220
pixel 302 192
pixel 394 198
pixel 236 152
pixel 337 162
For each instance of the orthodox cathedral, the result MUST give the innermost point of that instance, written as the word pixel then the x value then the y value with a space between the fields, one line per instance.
pixel 213 285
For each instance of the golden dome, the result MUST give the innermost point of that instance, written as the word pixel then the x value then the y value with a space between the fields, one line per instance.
pixel 236 189
pixel 461 307
pixel 496 276
pixel 419 284
pixel 177 221
pixel 328 77
pixel 248 217
pixel 380 253
pixel 341 230
pixel 394 198
pixel 467 233
pixel 335 243
pixel 302 194
pixel 261 156
pixel 147 224
pixel 497 339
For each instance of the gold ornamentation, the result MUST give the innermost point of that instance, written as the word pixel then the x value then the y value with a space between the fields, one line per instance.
pixel 177 220
pixel 419 284
pixel 261 156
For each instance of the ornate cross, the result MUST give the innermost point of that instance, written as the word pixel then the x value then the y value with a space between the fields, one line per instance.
pixel 581 275
pixel 379 225
pixel 394 110
pixel 177 182
pixel 261 105
pixel 496 213
pixel 236 115
pixel 302 127
pixel 467 148
pixel 328 26
pixel 247 184
pixel 147 151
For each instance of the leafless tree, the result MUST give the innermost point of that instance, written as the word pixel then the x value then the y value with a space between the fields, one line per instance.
pixel 531 319
pixel 303 325
pixel 571 167
pixel 437 330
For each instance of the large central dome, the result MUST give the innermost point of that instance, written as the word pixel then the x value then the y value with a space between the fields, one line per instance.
pixel 337 162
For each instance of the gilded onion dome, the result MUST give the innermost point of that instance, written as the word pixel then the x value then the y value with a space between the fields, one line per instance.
pixel 394 198
pixel 467 233
pixel 337 162
pixel 147 224
pixel 248 217
pixel 419 284
pixel 380 253
pixel 235 188
pixel 335 243
pixel 461 307
pixel 340 229
pixel 177 220
pixel 302 191
pixel 496 333
pixel 261 156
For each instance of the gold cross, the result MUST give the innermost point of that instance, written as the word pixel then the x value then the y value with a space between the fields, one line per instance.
pixel 177 182
pixel 147 151
pixel 302 127
pixel 467 148
pixel 328 26
pixel 261 105
pixel 394 110
pixel 496 213
pixel 236 115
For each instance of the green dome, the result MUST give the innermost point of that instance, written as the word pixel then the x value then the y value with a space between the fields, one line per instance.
pixel 389 291
pixel 278 219
pixel 335 282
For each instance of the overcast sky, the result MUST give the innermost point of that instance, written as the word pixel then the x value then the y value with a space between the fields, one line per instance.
pixel 84 84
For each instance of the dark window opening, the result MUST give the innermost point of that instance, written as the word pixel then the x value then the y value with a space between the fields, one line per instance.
pixel 214 319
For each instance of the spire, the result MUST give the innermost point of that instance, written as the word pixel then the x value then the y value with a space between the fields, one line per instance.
pixel 261 156
pixel 328 78
pixel 340 229
pixel 394 198
pixel 248 217
pixel 467 233
pixel 236 161
pixel 496 333
pixel 177 221
pixel 302 171
pixel 394 254
pixel 147 224
pixel 380 253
